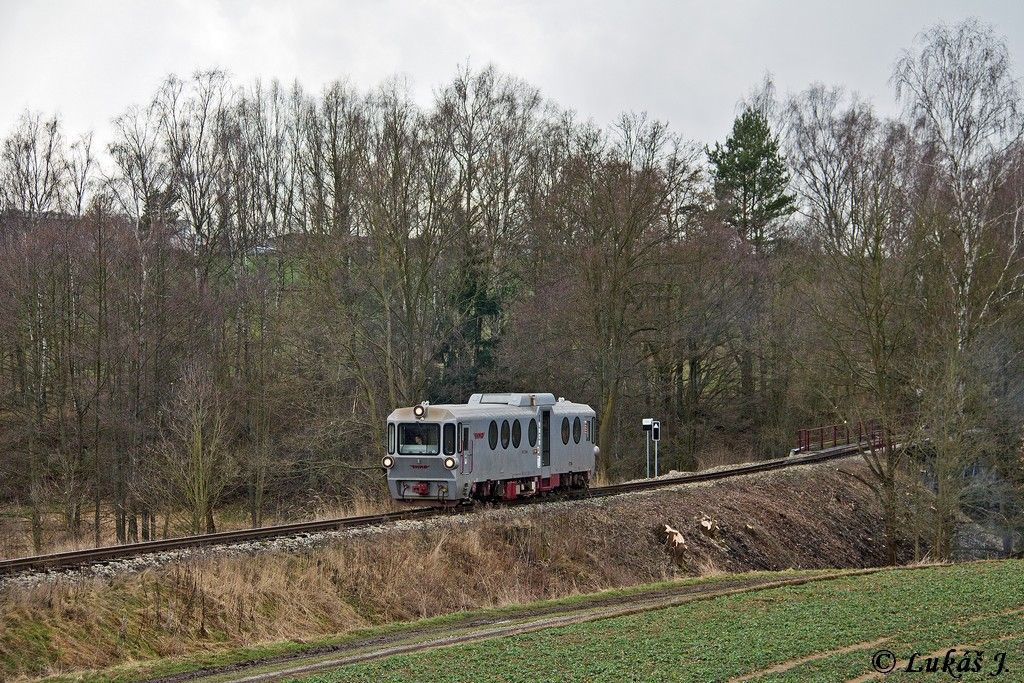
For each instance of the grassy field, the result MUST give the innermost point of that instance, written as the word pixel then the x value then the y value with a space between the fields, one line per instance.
pixel 827 631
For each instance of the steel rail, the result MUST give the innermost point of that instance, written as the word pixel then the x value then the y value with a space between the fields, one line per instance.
pixel 833 453
pixel 78 558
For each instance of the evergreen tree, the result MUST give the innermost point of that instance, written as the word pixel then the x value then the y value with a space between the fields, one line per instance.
pixel 751 179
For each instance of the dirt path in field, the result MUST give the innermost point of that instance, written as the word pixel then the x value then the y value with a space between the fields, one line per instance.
pixel 782 667
pixel 484 627
pixel 901 664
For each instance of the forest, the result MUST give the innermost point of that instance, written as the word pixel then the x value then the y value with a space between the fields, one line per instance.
pixel 219 308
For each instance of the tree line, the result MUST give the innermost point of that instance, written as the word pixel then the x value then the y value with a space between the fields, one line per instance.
pixel 224 303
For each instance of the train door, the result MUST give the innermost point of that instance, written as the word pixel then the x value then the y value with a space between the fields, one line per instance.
pixel 466 449
pixel 545 438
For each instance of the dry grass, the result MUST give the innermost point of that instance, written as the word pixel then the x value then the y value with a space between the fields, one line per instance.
pixel 707 566
pixel 244 600
pixel 362 503
pixel 720 457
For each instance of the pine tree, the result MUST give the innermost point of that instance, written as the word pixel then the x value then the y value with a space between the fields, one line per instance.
pixel 751 180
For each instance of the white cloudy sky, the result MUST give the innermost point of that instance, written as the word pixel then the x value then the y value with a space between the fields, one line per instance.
pixel 686 62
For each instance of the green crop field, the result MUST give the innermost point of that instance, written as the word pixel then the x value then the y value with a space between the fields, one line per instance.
pixel 824 631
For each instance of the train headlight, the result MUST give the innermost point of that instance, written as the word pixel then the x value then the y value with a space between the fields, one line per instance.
pixel 419 411
pixel 450 462
pixel 387 461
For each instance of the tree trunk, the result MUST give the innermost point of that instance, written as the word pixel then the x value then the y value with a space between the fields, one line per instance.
pixel 606 431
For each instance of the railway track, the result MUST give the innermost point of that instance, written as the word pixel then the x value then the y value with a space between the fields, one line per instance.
pixel 94 556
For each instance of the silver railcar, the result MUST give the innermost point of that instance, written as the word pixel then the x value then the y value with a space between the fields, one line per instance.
pixel 496 446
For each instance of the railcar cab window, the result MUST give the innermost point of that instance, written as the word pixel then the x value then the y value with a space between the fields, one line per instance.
pixel 449 439
pixel 419 438
pixel 391 438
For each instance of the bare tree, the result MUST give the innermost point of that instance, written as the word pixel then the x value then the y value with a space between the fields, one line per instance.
pixel 618 210
pixel 962 99
pixel 194 125
pixel 32 187
pixel 853 171
pixel 33 166
pixel 196 456
pixel 490 122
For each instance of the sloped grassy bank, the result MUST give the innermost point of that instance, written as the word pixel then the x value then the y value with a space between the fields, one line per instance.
pixel 810 517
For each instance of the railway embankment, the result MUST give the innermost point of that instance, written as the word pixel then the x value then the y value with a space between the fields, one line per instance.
pixel 808 517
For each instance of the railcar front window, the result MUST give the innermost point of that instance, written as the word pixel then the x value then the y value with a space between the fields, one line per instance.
pixel 419 438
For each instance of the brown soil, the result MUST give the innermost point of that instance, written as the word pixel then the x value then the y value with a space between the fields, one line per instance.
pixel 809 517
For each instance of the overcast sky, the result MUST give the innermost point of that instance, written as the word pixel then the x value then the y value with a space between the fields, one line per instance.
pixel 683 62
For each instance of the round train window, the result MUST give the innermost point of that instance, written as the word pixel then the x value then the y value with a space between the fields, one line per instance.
pixel 492 435
pixel 577 430
pixel 565 430
pixel 504 434
pixel 533 433
pixel 517 434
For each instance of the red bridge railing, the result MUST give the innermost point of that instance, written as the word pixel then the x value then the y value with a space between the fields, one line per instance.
pixel 827 436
